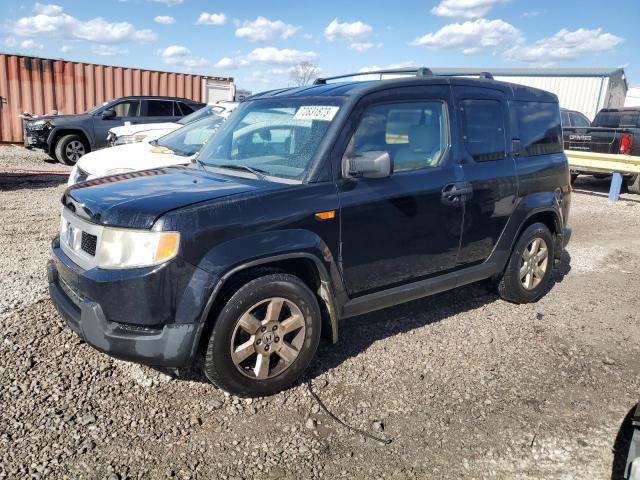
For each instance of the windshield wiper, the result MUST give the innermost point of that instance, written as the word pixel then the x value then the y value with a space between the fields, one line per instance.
pixel 261 174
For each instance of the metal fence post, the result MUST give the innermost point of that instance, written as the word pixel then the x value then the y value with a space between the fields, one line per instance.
pixel 616 185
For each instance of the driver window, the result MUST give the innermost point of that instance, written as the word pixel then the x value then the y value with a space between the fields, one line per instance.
pixel 415 134
pixel 127 108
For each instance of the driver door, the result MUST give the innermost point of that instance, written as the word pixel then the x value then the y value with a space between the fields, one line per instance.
pixel 126 111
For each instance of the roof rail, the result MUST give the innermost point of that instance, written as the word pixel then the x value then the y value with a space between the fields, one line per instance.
pixel 416 72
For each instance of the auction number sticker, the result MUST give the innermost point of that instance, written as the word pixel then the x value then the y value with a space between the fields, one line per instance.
pixel 316 112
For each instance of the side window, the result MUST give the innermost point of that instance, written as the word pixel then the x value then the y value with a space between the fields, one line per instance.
pixel 578 120
pixel 159 108
pixel 483 129
pixel 415 134
pixel 564 116
pixel 128 108
pixel 186 109
pixel 539 126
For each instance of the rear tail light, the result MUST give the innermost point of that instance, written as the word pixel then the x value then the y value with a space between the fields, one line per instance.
pixel 626 142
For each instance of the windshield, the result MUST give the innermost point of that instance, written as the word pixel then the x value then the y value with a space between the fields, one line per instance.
pixel 200 113
pixel 188 140
pixel 97 108
pixel 275 137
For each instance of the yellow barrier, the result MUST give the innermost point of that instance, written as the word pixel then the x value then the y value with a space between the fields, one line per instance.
pixel 603 162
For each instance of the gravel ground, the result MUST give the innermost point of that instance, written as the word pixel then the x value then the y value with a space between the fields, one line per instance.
pixel 465 384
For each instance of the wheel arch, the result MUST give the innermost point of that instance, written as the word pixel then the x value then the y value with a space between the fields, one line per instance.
pixel 304 265
pixel 57 134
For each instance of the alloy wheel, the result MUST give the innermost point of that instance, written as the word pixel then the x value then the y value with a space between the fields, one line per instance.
pixel 75 149
pixel 534 263
pixel 268 338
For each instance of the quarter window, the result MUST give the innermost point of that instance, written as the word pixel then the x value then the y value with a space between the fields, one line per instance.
pixel 539 127
pixel 483 129
pixel 414 134
pixel 159 108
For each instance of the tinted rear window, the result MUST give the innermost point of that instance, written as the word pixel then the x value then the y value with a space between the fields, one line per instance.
pixel 616 119
pixel 483 129
pixel 539 126
pixel 159 108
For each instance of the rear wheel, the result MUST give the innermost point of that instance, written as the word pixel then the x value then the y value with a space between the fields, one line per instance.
pixel 264 337
pixel 70 148
pixel 528 271
pixel 574 176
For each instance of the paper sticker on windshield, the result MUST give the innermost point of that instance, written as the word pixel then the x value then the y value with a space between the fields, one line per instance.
pixel 316 112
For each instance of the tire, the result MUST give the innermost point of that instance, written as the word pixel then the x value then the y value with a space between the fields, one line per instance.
pixel 243 376
pixel 574 176
pixel 512 286
pixel 70 148
pixel 633 184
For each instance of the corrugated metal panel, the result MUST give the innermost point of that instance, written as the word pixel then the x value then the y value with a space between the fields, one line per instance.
pixel 41 86
pixel 584 94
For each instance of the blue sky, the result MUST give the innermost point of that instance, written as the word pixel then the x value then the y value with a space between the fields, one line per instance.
pixel 257 42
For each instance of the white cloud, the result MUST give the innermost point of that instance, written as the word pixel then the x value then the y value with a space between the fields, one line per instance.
pixel 531 14
pixel 263 30
pixel 284 56
pixel 108 50
pixel 565 45
pixel 31 45
pixel 181 56
pixel 168 3
pixel 374 68
pixel 10 41
pixel 349 31
pixel 47 9
pixel 465 8
pixel 472 36
pixel 57 24
pixel 268 56
pixel 361 46
pixel 66 48
pixel 211 19
pixel 164 19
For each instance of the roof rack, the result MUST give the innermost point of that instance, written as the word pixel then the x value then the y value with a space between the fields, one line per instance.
pixel 415 72
pixel 419 72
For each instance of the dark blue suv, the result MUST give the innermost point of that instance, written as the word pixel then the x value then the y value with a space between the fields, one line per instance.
pixel 308 206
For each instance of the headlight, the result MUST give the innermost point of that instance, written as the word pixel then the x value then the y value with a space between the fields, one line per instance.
pixel 77 175
pixel 127 139
pixel 121 248
pixel 115 171
pixel 38 124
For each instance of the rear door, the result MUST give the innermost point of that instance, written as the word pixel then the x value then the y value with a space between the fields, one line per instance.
pixel 160 111
pixel 398 230
pixel 488 167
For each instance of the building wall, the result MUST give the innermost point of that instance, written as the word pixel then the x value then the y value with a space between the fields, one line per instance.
pixel 41 86
pixel 633 97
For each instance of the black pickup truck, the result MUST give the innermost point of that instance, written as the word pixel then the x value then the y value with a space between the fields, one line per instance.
pixel 612 131
pixel 311 205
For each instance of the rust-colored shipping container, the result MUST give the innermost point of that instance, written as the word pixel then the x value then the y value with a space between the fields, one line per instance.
pixel 42 85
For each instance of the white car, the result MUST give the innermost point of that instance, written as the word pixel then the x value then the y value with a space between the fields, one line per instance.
pixel 175 148
pixel 139 132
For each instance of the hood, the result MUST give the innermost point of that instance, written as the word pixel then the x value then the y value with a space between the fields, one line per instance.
pixel 143 127
pixel 134 156
pixel 137 199
pixel 55 119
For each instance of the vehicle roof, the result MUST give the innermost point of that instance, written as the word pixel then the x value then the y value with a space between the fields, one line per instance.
pixel 156 97
pixel 621 109
pixel 359 88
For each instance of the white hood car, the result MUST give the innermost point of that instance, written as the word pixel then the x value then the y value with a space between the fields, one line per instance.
pixel 139 132
pixel 177 147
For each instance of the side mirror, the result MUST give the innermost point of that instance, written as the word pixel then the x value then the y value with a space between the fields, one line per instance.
pixel 108 114
pixel 372 164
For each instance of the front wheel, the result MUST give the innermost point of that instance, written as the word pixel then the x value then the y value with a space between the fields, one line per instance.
pixel 264 337
pixel 70 148
pixel 528 271
pixel 633 184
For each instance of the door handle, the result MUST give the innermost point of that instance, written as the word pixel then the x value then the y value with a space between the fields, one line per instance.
pixel 456 192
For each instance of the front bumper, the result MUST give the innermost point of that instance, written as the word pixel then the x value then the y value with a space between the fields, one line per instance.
pixel 36 138
pixel 169 344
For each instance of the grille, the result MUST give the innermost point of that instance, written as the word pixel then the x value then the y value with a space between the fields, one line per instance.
pixel 89 243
